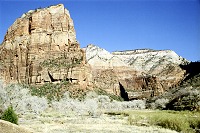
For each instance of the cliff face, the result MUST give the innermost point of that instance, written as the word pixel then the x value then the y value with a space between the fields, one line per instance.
pixel 41 47
pixel 143 73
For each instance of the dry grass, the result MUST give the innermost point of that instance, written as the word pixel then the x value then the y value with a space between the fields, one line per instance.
pixel 56 122
pixel 184 121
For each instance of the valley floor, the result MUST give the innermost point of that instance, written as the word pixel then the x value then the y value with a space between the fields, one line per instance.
pixel 54 122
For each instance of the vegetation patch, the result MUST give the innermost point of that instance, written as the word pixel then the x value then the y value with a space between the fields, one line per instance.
pixel 111 96
pixel 61 62
pixel 177 99
pixel 49 90
pixel 55 91
pixel 181 121
pixel 194 82
pixel 10 115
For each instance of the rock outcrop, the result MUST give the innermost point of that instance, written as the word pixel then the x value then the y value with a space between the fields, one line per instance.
pixel 7 127
pixel 143 73
pixel 41 47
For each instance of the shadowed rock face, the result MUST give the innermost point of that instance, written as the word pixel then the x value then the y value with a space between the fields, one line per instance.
pixel 41 47
pixel 142 73
pixel 123 92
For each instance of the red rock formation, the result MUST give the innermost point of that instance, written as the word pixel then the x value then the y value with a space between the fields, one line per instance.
pixel 142 73
pixel 40 47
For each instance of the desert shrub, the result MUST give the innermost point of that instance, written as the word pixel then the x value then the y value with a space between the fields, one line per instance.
pixel 91 94
pixel 185 100
pixel 93 104
pixel 104 102
pixel 55 91
pixel 49 90
pixel 21 99
pixel 67 104
pixel 77 93
pixel 137 104
pixel 159 103
pixel 10 115
pixel 177 99
pixel 111 96
pixel 1 112
pixel 35 104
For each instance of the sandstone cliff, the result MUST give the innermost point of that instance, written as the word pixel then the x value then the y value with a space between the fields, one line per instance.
pixel 41 47
pixel 143 73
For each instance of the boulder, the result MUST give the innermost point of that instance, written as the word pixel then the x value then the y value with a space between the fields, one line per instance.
pixel 7 127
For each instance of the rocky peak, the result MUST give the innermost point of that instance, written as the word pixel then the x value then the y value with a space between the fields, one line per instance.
pixel 98 57
pixel 41 47
pixel 42 26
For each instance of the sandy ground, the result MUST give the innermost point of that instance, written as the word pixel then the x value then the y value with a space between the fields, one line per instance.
pixel 54 122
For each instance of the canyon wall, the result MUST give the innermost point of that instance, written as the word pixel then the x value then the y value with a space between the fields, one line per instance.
pixel 41 47
pixel 142 73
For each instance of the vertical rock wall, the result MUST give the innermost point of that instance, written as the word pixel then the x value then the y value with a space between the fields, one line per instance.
pixel 41 47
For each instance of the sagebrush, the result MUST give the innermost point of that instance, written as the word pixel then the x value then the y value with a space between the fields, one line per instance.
pixel 21 99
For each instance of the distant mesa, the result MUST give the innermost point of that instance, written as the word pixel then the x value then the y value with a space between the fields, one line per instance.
pixel 143 73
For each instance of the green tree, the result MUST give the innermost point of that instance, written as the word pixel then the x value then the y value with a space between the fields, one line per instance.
pixel 10 115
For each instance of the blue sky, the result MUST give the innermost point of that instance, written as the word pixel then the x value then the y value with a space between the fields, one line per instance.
pixel 124 24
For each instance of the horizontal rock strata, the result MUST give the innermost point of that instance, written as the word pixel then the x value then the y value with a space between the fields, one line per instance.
pixel 143 73
pixel 41 47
